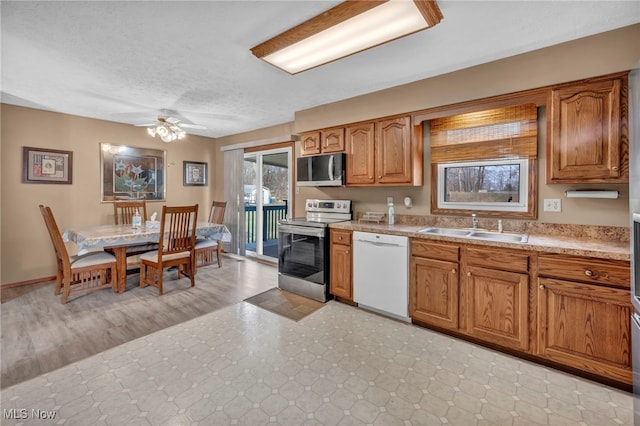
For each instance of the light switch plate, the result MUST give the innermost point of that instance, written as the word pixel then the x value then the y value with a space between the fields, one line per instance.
pixel 552 205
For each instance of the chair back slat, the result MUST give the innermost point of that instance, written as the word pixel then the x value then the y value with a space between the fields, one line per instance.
pixel 123 211
pixel 178 226
pixel 217 212
pixel 56 237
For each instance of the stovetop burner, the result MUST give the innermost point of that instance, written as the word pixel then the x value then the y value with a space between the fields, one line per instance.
pixel 320 213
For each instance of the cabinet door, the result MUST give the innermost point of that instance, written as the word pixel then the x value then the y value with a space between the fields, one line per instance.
pixel 497 304
pixel 332 140
pixel 360 154
pixel 310 143
pixel 584 138
pixel 393 150
pixel 586 326
pixel 433 295
pixel 341 276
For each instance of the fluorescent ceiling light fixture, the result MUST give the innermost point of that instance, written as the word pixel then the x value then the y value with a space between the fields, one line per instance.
pixel 348 28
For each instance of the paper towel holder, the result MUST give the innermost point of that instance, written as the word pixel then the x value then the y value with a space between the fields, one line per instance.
pixel 592 193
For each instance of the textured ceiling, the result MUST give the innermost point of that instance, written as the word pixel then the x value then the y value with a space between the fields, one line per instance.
pixel 131 61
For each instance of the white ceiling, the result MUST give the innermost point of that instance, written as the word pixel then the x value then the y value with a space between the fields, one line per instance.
pixel 129 61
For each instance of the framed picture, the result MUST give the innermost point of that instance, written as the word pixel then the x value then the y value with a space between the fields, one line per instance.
pixel 40 165
pixel 129 173
pixel 195 173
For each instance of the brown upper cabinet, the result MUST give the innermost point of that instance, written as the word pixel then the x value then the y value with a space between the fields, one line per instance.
pixel 587 132
pixel 322 142
pixel 382 152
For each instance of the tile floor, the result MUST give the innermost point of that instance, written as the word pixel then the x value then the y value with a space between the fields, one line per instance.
pixel 338 366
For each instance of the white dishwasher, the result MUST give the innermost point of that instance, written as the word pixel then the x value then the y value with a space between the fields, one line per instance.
pixel 380 273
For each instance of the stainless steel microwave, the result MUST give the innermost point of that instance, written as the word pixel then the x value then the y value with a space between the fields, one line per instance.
pixel 321 170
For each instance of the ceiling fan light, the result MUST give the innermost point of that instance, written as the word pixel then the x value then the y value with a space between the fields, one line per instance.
pixel 168 137
pixel 181 134
pixel 162 131
pixel 151 131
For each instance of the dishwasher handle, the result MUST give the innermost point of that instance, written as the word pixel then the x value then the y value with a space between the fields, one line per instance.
pixel 379 244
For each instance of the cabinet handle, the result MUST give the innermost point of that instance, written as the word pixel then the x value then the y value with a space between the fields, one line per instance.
pixel 347 251
pixel 340 238
pixel 542 287
pixel 614 168
pixel 379 177
pixel 453 271
pixel 468 274
pixel 588 273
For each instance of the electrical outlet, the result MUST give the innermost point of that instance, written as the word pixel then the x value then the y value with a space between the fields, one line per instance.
pixel 552 205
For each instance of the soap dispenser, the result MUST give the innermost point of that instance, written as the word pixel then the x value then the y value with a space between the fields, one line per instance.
pixel 392 211
pixel 136 222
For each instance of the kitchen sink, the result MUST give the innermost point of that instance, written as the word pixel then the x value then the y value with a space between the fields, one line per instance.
pixel 497 236
pixel 476 233
pixel 452 232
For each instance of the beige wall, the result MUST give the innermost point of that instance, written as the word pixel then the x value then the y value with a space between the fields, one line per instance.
pixel 26 249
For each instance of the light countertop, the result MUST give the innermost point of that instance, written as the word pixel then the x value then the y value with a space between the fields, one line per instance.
pixel 570 245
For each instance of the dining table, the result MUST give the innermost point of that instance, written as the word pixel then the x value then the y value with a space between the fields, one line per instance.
pixel 118 237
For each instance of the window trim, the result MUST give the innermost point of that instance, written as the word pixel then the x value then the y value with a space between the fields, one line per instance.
pixel 527 208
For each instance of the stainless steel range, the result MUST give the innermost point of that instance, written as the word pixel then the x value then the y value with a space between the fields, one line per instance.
pixel 303 248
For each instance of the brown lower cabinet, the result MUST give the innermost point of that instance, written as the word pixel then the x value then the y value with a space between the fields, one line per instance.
pixel 576 315
pixel 583 324
pixel 341 261
pixel 496 289
pixel 497 303
pixel 434 284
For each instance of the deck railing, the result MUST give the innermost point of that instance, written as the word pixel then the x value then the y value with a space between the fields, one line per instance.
pixel 271 215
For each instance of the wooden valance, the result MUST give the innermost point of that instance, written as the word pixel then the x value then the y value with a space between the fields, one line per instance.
pixel 496 133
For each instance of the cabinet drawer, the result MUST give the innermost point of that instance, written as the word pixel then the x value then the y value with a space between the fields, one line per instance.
pixel 599 271
pixel 496 259
pixel 339 236
pixel 435 250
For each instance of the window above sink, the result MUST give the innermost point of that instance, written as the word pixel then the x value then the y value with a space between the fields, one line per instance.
pixel 488 185
pixel 485 162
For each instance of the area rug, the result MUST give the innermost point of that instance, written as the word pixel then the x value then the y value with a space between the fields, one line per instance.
pixel 288 305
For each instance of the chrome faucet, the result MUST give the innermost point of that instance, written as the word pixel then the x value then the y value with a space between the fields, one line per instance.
pixel 474 221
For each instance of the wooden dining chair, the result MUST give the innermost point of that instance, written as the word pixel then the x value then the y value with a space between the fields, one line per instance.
pixel 208 250
pixel 79 274
pixel 176 248
pixel 123 211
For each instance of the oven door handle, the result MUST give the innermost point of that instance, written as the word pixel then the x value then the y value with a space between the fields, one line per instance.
pixel 301 230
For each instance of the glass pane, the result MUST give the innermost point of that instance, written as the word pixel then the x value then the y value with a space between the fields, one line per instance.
pixel 250 184
pixel 275 194
pixel 483 184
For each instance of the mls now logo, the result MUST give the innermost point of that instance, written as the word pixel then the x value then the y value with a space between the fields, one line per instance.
pixel 23 414
pixel 15 413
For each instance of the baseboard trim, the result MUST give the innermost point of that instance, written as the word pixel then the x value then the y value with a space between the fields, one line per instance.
pixel 28 282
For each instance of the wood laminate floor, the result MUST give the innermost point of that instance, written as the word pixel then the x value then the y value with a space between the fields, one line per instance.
pixel 39 334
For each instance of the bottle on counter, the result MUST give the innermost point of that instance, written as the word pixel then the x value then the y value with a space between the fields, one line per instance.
pixel 392 211
pixel 136 221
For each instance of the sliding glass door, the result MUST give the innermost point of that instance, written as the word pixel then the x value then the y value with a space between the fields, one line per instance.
pixel 267 192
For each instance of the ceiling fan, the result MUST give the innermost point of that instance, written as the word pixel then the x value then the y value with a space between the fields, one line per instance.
pixel 169 128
